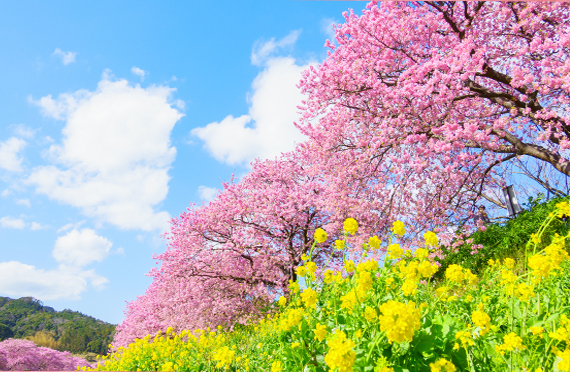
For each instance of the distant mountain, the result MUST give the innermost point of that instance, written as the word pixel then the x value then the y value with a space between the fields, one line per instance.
pixel 27 318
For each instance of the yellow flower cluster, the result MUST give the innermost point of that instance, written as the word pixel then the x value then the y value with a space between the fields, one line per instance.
pixel 548 263
pixel 431 238
pixel 291 318
pixel 340 353
pixel 511 342
pixel 399 228
pixel 224 356
pixel 399 320
pixel 320 332
pixel 481 320
pixel 442 365
pixel 564 363
pixel 350 226
pixel 563 331
pixel 395 251
pixel 457 274
pixel 309 297
pixel 465 338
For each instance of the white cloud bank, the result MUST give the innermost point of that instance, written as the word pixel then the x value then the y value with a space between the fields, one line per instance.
pixel 66 57
pixel 114 158
pixel 73 251
pixel 9 159
pixel 268 129
pixel 18 279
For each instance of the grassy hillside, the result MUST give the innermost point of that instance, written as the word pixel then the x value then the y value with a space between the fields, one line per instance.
pixel 27 318
pixel 503 240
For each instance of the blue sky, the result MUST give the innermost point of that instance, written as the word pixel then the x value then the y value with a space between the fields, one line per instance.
pixel 116 116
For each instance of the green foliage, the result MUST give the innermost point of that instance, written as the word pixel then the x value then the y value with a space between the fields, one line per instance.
pixel 74 331
pixel 504 240
pixel 5 332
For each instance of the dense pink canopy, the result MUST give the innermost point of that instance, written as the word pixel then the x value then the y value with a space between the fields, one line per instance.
pixel 418 103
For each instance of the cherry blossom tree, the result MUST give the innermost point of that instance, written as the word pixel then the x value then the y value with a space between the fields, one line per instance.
pixel 227 260
pixel 24 355
pixel 419 104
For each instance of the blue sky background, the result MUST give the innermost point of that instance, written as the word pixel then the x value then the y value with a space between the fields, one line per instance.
pixel 117 115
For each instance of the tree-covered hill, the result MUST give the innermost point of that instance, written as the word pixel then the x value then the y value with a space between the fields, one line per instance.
pixel 27 318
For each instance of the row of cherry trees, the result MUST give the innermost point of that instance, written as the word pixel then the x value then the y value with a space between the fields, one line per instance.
pixel 412 116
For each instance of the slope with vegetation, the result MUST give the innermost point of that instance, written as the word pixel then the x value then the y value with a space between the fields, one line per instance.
pixel 27 318
pixel 513 314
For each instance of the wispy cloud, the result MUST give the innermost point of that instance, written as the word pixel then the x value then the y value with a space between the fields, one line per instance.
pixel 327 28
pixel 11 222
pixel 139 72
pixel 262 50
pixel 25 202
pixel 9 159
pixel 66 57
pixel 207 193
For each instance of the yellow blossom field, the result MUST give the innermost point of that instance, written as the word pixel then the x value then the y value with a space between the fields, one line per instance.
pixel 513 316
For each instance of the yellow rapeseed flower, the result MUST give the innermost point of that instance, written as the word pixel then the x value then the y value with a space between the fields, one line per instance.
pixel 339 244
pixel 481 320
pixel 349 265
pixel 309 297
pixel 276 366
pixel 399 320
pixel 510 342
pixel 350 226
pixel 340 353
pixel 311 267
pixel 374 242
pixel 394 251
pixel 454 273
pixel 509 263
pixel 320 332
pixel 282 301
pixel 442 365
pixel 422 253
pixel 564 363
pixel 301 271
pixel 399 228
pixel 320 235
pixel 431 239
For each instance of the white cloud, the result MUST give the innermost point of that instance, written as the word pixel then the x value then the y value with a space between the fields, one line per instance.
pixel 268 129
pixel 207 193
pixel 18 280
pixel 139 72
pixel 80 248
pixel 262 50
pixel 25 202
pixel 38 226
pixel 70 226
pixel 115 154
pixel 5 192
pixel 9 159
pixel 66 57
pixel 327 29
pixel 23 131
pixel 11 222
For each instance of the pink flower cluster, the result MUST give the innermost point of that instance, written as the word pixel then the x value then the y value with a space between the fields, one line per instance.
pixel 24 355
